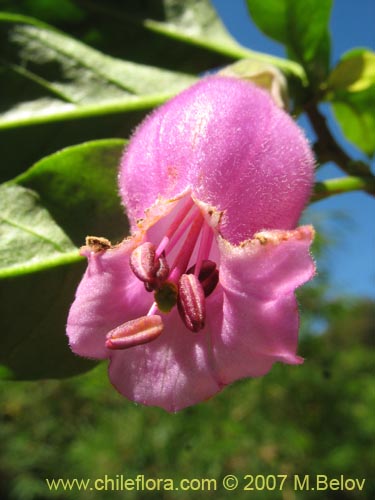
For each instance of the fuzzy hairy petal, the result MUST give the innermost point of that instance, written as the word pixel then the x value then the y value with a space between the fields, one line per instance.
pixel 226 141
pixel 108 295
pixel 173 372
pixel 258 318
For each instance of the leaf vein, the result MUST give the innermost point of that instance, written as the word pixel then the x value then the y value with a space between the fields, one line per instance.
pixel 26 229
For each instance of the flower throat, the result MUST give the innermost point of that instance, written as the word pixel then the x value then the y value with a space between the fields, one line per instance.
pixel 172 284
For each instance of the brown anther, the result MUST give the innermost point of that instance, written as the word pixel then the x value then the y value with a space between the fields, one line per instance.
pixel 142 262
pixel 163 271
pixel 153 272
pixel 135 332
pixel 160 276
pixel 208 276
pixel 150 286
pixel 191 303
pixel 97 243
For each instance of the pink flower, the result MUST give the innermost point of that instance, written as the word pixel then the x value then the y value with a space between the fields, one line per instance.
pixel 202 293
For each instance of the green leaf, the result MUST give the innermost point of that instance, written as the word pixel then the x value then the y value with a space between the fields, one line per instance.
pixel 29 237
pixel 78 186
pixel 56 11
pixel 351 89
pixel 302 26
pixel 264 75
pixel 62 78
pixel 33 343
pixel 354 112
pixel 355 72
pixel 57 91
pixel 49 79
pixel 195 22
pixel 141 31
pixel 45 213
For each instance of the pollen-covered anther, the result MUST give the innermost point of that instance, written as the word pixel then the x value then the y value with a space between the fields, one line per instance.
pixel 142 261
pixel 135 332
pixel 163 269
pixel 161 274
pixel 191 302
pixel 208 276
pixel 149 269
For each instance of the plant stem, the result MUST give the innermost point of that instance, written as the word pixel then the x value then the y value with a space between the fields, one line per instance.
pixel 327 148
pixel 343 185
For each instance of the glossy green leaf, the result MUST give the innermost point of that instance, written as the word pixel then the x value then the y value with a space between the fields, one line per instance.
pixel 56 91
pixel 45 215
pixel 78 186
pixel 34 307
pixel 302 26
pixel 62 78
pixel 354 112
pixel 355 72
pixel 142 31
pixel 29 237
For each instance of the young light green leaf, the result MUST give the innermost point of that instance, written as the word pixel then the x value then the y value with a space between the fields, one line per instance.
pixel 354 112
pixel 45 215
pixel 264 75
pixel 355 72
pixel 301 26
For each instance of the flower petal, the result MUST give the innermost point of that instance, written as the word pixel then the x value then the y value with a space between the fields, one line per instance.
pixel 228 142
pixel 173 372
pixel 108 295
pixel 258 321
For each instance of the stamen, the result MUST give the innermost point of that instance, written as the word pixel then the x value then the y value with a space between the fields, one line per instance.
pixel 185 209
pixel 142 262
pixel 204 247
pixel 135 332
pixel 191 303
pixel 208 276
pixel 183 257
pixel 187 289
pixel 160 276
pixel 163 271
pixel 181 230
pixel 148 269
pixel 153 309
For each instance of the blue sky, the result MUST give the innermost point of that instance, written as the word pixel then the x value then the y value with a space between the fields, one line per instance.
pixel 348 218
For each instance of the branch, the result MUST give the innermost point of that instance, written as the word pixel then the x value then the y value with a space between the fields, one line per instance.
pixel 327 148
pixel 343 185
